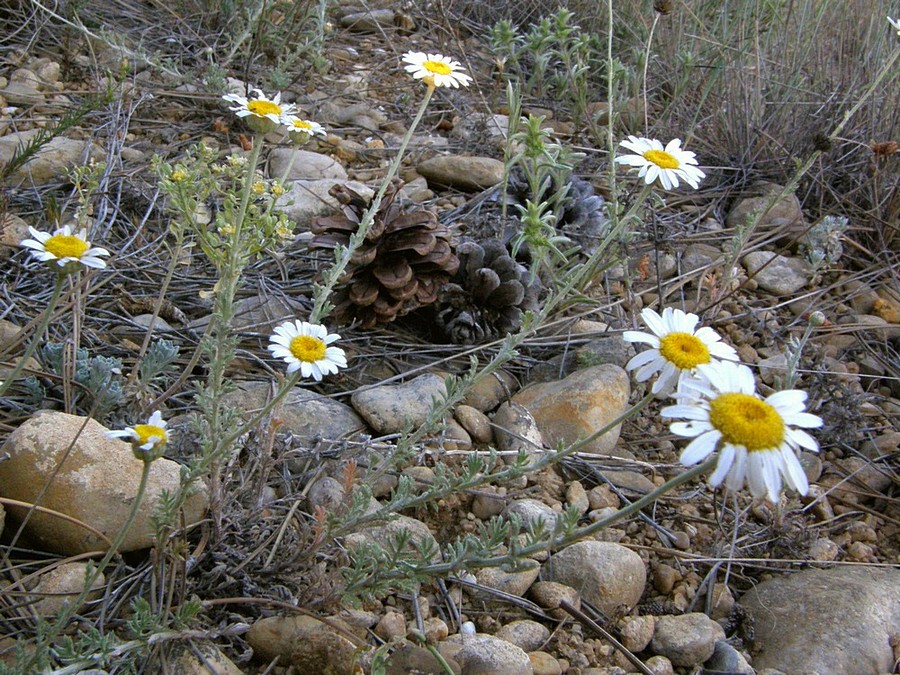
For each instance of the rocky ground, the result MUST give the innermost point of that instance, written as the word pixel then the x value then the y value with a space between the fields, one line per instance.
pixel 696 581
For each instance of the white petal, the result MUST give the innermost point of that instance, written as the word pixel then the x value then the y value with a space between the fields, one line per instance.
pixel 803 439
pixel 793 472
pixel 726 459
pixel 700 448
pixel 654 322
pixel 687 412
pixel 641 359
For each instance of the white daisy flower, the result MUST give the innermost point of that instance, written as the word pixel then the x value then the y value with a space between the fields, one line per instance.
pixel 436 70
pixel 756 438
pixel 304 346
pixel 262 113
pixel 297 125
pixel 147 440
pixel 64 247
pixel 676 348
pixel 896 24
pixel 664 164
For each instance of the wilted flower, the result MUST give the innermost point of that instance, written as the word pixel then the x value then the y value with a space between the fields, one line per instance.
pixel 436 70
pixel 755 437
pixel 665 164
pixel 301 130
pixel 304 346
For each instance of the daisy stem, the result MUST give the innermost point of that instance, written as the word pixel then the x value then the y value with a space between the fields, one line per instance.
pixel 343 259
pixel 38 335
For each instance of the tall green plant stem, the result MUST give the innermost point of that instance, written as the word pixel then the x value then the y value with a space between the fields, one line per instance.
pixel 343 257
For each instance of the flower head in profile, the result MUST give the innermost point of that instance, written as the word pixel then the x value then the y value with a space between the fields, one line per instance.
pixel 757 439
pixel 301 130
pixel 896 24
pixel 436 70
pixel 304 346
pixel 676 348
pixel 147 440
pixel 259 111
pixel 667 165
pixel 65 249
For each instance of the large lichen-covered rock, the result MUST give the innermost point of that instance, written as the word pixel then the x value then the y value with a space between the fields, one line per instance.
pixel 89 477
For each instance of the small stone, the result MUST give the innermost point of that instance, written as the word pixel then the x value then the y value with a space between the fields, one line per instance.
pixel 664 578
pixel 780 275
pixel 525 633
pixel 475 422
pixel 304 165
pixel 516 430
pixel 577 498
pixel 414 659
pixel 416 531
pixel 487 655
pixel 532 512
pixel 606 574
pixel 543 663
pixel 660 665
pixel 489 390
pixel 310 645
pixel 585 402
pixel 773 369
pixel 784 217
pixel 513 583
pixel 700 256
pixel 636 632
pixel 62 585
pixel 602 496
pixel 391 626
pixel 435 629
pixel 463 173
pixel 727 659
pixel 306 199
pixel 13 230
pixel 326 493
pixel 201 658
pixel 549 595
pixel 389 408
pixel 687 639
pixel 488 502
pixel 368 22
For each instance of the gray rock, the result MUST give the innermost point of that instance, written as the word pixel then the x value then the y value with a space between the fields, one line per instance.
pixel 513 583
pixel 778 274
pixel 310 645
pixel 52 161
pixel 326 493
pixel 686 640
pixel 480 125
pixel 22 94
pixel 368 22
pixel 785 215
pixel 533 511
pixel 416 530
pixel 607 349
pixel 489 390
pixel 636 632
pixel 726 660
pixel 831 621
pixel 606 574
pixel 516 430
pixel 577 497
pixel 306 165
pixel 96 484
pixel 412 659
pixel 475 422
pixel 201 658
pixel 549 595
pixel 700 256
pixel 12 231
pixel 527 634
pixel 308 416
pixel 388 408
pixel 306 199
pixel 580 405
pixel 258 314
pixel 62 585
pixel 463 173
pixel 488 655
pixel 489 501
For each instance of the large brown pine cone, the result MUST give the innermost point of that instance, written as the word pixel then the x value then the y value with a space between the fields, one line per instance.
pixel 488 295
pixel 400 266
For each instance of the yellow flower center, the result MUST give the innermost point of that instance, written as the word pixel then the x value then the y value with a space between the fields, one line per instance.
pixel 66 246
pixel 147 431
pixel 263 108
pixel 437 67
pixel 303 125
pixel 684 350
pixel 662 159
pixel 745 420
pixel 308 348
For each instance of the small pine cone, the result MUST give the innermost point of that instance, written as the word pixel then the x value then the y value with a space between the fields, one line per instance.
pixel 400 266
pixel 488 295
